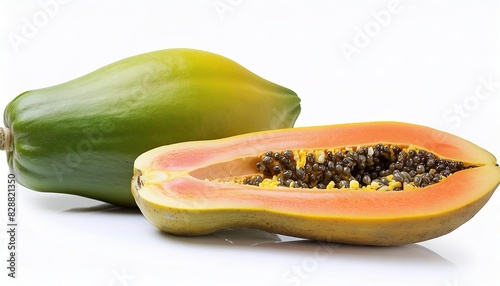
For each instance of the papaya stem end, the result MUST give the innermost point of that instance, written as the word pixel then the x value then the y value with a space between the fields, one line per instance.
pixel 6 139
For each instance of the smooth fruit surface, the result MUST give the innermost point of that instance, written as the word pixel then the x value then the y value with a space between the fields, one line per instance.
pixel 178 189
pixel 82 137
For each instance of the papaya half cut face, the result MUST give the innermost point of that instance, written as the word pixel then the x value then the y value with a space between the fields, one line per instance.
pixel 376 183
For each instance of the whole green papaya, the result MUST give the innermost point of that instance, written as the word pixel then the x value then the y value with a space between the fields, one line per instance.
pixel 82 137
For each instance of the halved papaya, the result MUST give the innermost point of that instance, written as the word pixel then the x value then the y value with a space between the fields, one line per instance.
pixel 397 183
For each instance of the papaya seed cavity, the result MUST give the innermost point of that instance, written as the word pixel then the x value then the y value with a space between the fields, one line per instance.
pixel 382 167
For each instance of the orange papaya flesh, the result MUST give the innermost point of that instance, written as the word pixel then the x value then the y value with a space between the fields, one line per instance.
pixel 196 188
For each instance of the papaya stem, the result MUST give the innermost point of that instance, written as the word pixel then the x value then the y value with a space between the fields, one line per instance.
pixel 5 139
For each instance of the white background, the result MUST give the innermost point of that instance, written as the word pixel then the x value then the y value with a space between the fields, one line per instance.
pixel 435 63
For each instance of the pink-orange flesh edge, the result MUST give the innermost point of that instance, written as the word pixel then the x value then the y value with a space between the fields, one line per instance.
pixel 447 194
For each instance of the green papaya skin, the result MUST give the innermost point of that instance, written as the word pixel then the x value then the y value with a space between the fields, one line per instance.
pixel 82 137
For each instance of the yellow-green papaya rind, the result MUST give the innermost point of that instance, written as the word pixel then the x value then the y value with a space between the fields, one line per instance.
pixel 82 137
pixel 199 217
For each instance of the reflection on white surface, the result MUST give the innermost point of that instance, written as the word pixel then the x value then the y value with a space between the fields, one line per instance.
pixel 409 264
pixel 107 240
